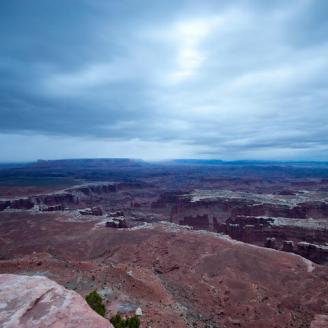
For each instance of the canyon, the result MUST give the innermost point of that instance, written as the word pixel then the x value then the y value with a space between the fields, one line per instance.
pixel 193 244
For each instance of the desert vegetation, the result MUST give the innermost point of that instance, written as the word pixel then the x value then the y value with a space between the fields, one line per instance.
pixel 119 322
pixel 95 302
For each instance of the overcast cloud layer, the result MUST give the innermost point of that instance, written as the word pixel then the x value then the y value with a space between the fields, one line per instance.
pixel 163 79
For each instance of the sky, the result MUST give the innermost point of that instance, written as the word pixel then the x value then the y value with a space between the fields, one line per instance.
pixel 167 79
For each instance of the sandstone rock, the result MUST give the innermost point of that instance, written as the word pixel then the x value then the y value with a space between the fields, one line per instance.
pixel 96 211
pixel 37 302
pixel 58 207
pixel 4 205
pixel 198 221
pixel 64 198
pixel 117 222
pixel 116 214
pixel 314 252
pixel 320 321
pixel 23 203
pixel 90 189
pixel 270 242
pixel 288 246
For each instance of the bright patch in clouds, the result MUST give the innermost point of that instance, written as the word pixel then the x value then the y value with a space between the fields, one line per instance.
pixel 189 37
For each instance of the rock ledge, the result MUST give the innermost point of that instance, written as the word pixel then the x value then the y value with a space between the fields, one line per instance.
pixel 38 302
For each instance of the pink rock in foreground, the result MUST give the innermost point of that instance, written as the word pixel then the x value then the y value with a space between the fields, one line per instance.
pixel 38 302
pixel 320 321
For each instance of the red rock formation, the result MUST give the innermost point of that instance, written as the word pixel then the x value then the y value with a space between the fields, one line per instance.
pixel 288 246
pixel 23 203
pixel 224 208
pixel 178 277
pixel 270 242
pixel 197 221
pixel 57 198
pixel 58 207
pixel 320 321
pixel 4 205
pixel 116 214
pixel 311 251
pixel 37 302
pixel 74 197
pixel 95 189
pixel 169 198
pixel 117 222
pixel 96 211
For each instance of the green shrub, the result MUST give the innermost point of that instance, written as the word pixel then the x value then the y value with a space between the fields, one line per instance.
pixel 118 322
pixel 133 322
pixel 95 302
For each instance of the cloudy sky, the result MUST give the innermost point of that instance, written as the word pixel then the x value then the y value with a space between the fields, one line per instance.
pixel 164 79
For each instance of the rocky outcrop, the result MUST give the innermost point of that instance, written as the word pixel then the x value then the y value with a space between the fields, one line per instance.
pixel 270 242
pixel 288 246
pixel 96 211
pixel 58 207
pixel 264 231
pixel 94 189
pixel 23 203
pixel 57 198
pixel 234 206
pixel 116 214
pixel 285 216
pixel 197 221
pixel 117 222
pixel 44 202
pixel 247 229
pixel 168 198
pixel 4 205
pixel 320 321
pixel 71 197
pixel 37 302
pixel 317 253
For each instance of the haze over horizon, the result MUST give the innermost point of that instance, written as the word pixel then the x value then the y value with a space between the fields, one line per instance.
pixel 153 80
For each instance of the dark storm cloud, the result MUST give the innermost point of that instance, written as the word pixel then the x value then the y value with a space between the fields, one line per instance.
pixel 229 79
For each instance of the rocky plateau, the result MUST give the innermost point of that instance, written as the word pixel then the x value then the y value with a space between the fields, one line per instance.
pixel 191 245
